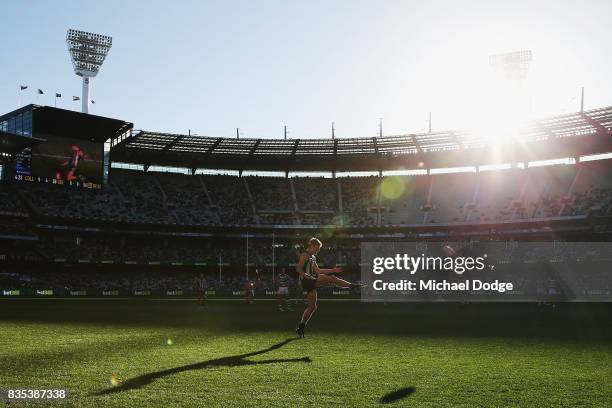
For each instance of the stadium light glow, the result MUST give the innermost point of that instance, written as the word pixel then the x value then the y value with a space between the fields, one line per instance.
pixel 87 51
pixel 512 65
pixel 412 172
pixel 501 98
pixel 602 156
pixel 551 162
pixel 447 170
pixel 356 174
pixel 493 167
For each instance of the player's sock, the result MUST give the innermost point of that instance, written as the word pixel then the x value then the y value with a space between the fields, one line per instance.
pixel 300 329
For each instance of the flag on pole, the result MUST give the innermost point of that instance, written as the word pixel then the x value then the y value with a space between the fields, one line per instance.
pixel 40 92
pixel 58 95
pixel 21 88
pixel 76 98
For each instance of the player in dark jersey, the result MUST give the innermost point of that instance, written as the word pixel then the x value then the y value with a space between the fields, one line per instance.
pixel 313 277
pixel 283 290
pixel 200 285
pixel 249 292
pixel 73 164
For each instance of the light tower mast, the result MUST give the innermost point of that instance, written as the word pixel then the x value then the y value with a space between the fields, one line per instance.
pixel 513 69
pixel 87 51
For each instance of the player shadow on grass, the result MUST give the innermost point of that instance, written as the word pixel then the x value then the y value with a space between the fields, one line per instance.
pixel 231 361
pixel 397 395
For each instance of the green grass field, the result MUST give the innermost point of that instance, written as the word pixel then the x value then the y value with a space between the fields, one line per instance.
pixel 233 355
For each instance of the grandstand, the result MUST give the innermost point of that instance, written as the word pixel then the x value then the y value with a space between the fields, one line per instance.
pixel 385 197
pixel 189 201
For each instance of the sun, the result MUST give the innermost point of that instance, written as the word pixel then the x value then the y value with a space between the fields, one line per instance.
pixel 497 108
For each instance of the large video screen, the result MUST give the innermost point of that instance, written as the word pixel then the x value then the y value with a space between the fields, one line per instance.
pixel 63 161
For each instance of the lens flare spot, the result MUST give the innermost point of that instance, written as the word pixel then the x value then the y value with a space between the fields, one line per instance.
pixel 392 187
pixel 115 381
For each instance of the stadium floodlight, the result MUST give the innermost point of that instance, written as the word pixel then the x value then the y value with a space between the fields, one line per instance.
pixel 507 93
pixel 87 51
pixel 513 65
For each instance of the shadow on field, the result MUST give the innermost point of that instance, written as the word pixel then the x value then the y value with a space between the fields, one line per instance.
pixel 231 361
pixel 574 321
pixel 397 395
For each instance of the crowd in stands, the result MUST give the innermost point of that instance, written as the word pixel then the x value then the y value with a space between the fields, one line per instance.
pixel 234 253
pixel 130 249
pixel 10 204
pixel 230 198
pixel 196 201
pixel 498 196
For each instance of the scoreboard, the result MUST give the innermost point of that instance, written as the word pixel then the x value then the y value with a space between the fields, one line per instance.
pixel 71 147
pixel 62 161
pixel 23 161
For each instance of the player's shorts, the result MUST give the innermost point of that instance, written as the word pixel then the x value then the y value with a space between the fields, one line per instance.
pixel 309 284
pixel 283 290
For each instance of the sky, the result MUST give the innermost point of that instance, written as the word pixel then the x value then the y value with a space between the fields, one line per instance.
pixel 210 67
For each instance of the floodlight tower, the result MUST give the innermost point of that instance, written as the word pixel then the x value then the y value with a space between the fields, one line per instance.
pixel 513 65
pixel 87 51
pixel 513 70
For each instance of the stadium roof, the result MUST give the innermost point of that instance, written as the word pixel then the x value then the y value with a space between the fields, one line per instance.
pixel 47 120
pixel 555 137
pixel 12 143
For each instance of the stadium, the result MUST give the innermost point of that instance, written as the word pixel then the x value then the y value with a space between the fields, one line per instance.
pixel 244 213
pixel 142 268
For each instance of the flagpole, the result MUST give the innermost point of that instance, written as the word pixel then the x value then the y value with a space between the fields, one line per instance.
pixel 21 89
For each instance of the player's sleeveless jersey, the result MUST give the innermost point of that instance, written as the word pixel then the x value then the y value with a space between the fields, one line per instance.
pixel 283 280
pixel 309 266
pixel 77 155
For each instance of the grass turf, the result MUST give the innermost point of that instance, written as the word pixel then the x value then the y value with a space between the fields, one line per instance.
pixel 232 355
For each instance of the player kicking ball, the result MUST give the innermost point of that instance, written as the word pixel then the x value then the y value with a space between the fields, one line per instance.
pixel 313 277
